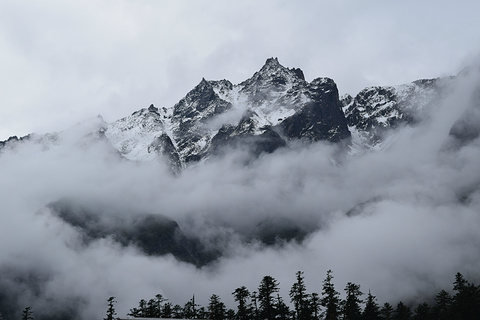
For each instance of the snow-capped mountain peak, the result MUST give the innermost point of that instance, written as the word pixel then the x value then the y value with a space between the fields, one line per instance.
pixel 276 105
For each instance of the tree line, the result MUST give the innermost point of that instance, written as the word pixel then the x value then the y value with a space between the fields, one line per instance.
pixel 265 303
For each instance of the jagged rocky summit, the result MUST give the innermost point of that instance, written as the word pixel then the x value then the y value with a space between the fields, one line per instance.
pixel 261 114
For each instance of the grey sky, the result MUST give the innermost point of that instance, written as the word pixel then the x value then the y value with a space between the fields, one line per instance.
pixel 62 62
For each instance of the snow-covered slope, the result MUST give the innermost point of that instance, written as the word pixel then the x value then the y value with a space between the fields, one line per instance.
pixel 265 112
pixel 375 112
pixel 254 111
pixel 133 134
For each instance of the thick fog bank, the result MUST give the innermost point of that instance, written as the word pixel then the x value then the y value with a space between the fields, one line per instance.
pixel 412 223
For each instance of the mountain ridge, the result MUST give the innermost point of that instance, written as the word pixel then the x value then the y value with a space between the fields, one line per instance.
pixel 274 107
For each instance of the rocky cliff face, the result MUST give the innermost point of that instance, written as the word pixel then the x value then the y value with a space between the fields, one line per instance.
pixel 321 118
pixel 375 111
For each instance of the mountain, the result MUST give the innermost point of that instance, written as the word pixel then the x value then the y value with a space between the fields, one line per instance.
pixel 375 111
pixel 274 106
pixel 273 109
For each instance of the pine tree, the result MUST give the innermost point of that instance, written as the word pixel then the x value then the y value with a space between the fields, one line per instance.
pixel 167 310
pixel 387 311
pixel 159 306
pixel 268 287
pixel 330 298
pixel 141 311
pixel 314 303
pixel 298 296
pixel 111 309
pixel 254 305
pixel 283 312
pixel 466 301
pixel 216 308
pixel 177 312
pixel 27 314
pixel 423 312
pixel 460 283
pixel 190 309
pixel 372 309
pixel 351 307
pixel 134 312
pixel 443 305
pixel 142 307
pixel 201 313
pixel 229 315
pixel 151 310
pixel 402 312
pixel 240 295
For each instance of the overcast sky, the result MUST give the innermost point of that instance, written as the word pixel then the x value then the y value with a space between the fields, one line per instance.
pixel 64 61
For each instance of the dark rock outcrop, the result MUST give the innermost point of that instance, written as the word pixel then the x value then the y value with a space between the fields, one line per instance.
pixel 278 230
pixel 163 145
pixel 13 140
pixel 228 137
pixel 190 116
pixel 154 234
pixel 467 127
pixel 320 119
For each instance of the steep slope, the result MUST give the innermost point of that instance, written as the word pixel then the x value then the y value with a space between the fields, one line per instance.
pixel 145 136
pixel 280 98
pixel 191 114
pixel 374 111
pixel 321 118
